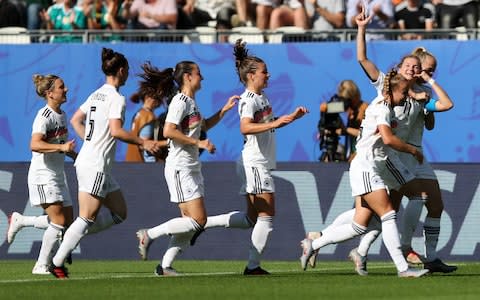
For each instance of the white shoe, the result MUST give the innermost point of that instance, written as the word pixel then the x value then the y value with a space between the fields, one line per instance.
pixel 359 261
pixel 313 259
pixel 39 269
pixel 414 273
pixel 306 253
pixel 14 226
pixel 144 243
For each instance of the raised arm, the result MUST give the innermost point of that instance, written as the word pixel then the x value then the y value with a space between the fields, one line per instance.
pixel 368 67
pixel 215 118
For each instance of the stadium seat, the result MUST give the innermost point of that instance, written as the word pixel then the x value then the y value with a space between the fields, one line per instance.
pixel 14 35
pixel 202 34
pixel 251 35
pixel 278 35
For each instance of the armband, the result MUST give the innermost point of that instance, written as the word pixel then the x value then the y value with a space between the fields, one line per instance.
pixel 430 105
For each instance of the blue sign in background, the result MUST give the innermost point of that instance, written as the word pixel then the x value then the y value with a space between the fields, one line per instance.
pixel 309 196
pixel 301 74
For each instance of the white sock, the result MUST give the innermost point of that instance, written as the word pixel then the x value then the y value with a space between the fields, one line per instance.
pixel 174 226
pixel 178 242
pixel 259 238
pixel 411 215
pixel 392 240
pixel 104 221
pixel 71 238
pixel 234 219
pixel 40 222
pixel 337 234
pixel 431 231
pixel 49 241
pixel 373 231
pixel 342 219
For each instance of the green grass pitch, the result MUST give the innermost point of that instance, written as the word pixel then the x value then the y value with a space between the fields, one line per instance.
pixel 212 280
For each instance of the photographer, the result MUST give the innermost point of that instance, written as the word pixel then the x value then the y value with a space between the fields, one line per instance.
pixel 331 125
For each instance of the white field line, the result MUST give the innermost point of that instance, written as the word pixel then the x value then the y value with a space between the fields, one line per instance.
pixel 42 278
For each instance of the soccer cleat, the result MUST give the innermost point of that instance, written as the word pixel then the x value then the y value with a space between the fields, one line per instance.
pixel 59 272
pixel 144 243
pixel 306 253
pixel 313 259
pixel 413 273
pixel 40 269
pixel 169 271
pixel 359 261
pixel 256 271
pixel 14 226
pixel 412 257
pixel 439 266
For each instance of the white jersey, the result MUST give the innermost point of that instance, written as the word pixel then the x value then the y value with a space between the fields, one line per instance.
pixel 377 165
pixel 183 112
pixel 258 149
pixel 410 115
pixel 369 142
pixel 49 167
pixel 415 135
pixel 98 149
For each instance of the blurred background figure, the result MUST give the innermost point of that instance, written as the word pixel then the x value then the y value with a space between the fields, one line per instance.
pixel 412 14
pixel 331 125
pixel 150 14
pixel 289 13
pixel 454 13
pixel 11 14
pixel 194 13
pixel 325 15
pixel 381 10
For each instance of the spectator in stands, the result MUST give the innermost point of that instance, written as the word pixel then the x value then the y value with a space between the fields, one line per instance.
pixel 289 13
pixel 102 14
pixel 34 7
pixel 326 15
pixel 245 15
pixel 64 16
pixel 9 14
pixel 413 15
pixel 450 12
pixel 150 14
pixel 194 13
pixel 381 10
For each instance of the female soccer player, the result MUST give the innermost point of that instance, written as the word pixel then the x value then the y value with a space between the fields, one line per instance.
pixel 258 124
pixel 99 122
pixel 424 188
pixel 47 186
pixel 144 122
pixel 182 127
pixel 375 170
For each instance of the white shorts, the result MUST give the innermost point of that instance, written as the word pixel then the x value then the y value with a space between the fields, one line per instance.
pixel 49 193
pixel 240 169
pixel 367 176
pixel 259 180
pixel 422 170
pixel 95 183
pixel 293 4
pixel 184 185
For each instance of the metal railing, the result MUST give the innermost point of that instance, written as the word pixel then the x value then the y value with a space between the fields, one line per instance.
pixel 252 35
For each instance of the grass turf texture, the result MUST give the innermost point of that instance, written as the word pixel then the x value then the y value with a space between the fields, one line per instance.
pixel 214 280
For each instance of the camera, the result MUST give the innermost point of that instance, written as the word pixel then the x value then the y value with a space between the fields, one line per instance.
pixel 330 121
